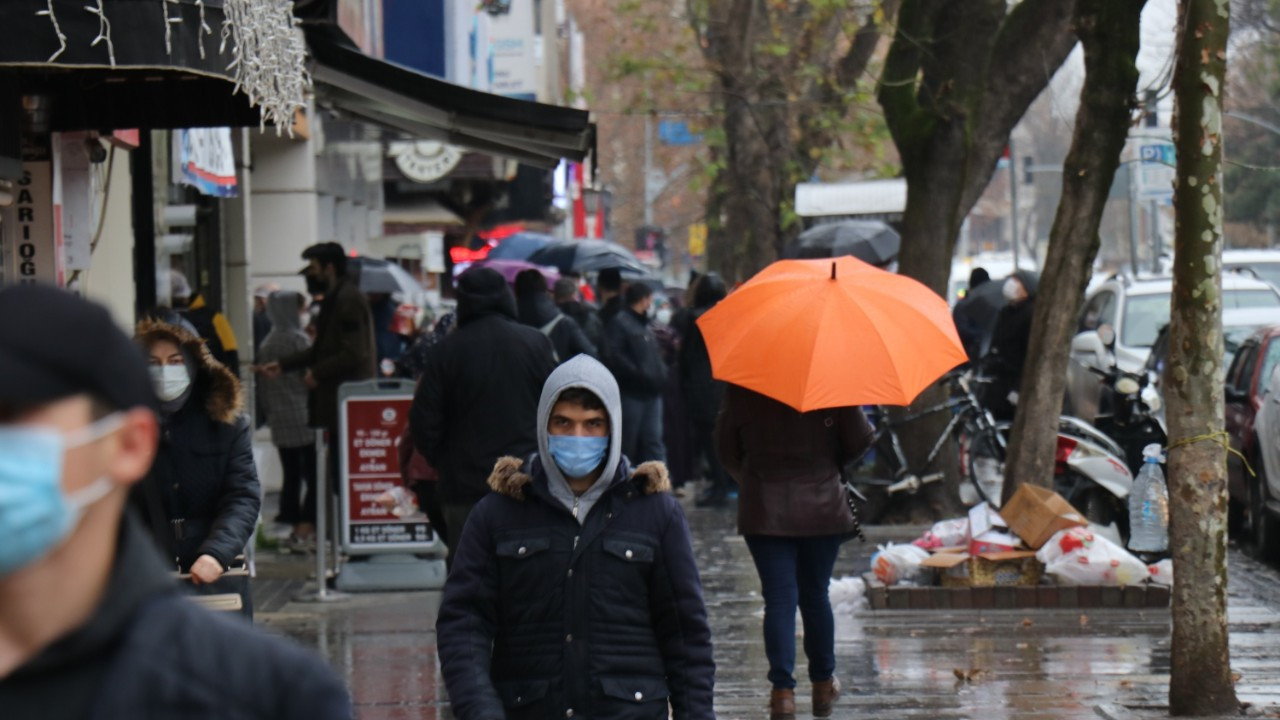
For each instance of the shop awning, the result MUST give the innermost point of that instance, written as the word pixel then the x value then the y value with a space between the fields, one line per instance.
pixel 148 86
pixel 432 109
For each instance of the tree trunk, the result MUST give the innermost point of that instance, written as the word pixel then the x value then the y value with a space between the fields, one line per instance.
pixel 1200 681
pixel 1108 30
pixel 956 81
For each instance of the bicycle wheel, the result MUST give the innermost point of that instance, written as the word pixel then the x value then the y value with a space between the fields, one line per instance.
pixel 986 465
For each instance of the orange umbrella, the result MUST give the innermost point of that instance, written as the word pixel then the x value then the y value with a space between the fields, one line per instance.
pixel 832 333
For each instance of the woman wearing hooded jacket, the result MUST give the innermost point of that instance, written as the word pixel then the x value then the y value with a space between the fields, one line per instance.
pixel 201 497
pixel 285 398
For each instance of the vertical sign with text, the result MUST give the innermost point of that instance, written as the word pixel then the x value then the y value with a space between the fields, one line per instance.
pixel 371 430
pixel 31 241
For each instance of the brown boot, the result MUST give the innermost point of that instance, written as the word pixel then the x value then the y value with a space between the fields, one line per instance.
pixel 782 704
pixel 824 697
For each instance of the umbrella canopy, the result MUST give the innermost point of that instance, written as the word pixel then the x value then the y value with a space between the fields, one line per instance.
pixel 520 246
pixel 511 268
pixel 832 333
pixel 587 256
pixel 382 276
pixel 871 241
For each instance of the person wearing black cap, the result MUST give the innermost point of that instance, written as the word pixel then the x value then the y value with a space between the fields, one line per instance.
pixel 477 399
pixel 343 350
pixel 609 288
pixel 91 623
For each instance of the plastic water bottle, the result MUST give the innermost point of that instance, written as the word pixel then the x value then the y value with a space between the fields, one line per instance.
pixel 1149 506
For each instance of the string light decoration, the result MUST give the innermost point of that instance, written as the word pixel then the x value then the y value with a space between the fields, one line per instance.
pixel 62 38
pixel 104 30
pixel 267 51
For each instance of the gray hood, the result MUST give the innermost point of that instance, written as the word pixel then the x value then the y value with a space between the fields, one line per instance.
pixel 284 310
pixel 587 373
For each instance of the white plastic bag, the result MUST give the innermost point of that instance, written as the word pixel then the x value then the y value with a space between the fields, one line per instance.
pixel 946 533
pixel 897 563
pixel 1162 573
pixel 1077 556
pixel 848 595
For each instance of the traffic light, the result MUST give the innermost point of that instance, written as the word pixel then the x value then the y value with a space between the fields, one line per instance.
pixel 1026 169
pixel 1149 116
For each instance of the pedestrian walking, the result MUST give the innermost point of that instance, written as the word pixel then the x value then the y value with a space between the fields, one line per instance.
pixel 261 318
pixel 1009 342
pixel 91 624
pixel 535 308
pixel 609 289
pixel 201 497
pixel 703 393
pixel 793 514
pixel 208 321
pixel 286 400
pixel 632 353
pixel 574 592
pixel 569 302
pixel 478 395
pixel 975 314
pixel 343 350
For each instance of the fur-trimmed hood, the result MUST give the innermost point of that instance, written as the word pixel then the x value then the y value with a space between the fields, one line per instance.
pixel 223 397
pixel 510 478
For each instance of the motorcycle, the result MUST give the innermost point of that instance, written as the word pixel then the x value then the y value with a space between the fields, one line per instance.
pixel 1128 414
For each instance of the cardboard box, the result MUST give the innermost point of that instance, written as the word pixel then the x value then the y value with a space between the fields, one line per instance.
pixel 987 569
pixel 1035 514
pixel 983 519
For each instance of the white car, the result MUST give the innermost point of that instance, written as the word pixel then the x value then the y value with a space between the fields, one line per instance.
pixel 1136 309
pixel 1263 264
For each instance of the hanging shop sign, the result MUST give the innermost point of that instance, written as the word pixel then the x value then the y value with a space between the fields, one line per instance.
pixel 207 161
pixel 424 161
pixel 31 244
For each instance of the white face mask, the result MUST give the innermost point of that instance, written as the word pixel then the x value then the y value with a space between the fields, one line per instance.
pixel 1012 290
pixel 170 381
pixel 663 316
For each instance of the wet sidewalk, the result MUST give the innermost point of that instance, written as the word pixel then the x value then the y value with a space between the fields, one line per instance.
pixel 988 665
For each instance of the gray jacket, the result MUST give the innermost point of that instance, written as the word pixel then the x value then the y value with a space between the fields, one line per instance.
pixel 285 396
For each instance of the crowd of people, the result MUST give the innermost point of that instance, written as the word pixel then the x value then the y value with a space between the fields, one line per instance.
pixel 547 443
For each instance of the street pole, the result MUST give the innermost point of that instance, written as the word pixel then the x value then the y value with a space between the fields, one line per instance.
pixel 1133 216
pixel 1153 219
pixel 648 169
pixel 1013 200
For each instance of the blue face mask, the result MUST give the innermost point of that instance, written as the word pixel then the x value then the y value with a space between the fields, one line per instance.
pixel 35 517
pixel 576 456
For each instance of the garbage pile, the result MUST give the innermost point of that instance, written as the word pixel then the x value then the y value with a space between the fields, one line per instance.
pixel 1037 538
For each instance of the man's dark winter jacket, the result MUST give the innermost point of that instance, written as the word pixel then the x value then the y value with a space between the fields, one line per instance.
pixel 343 351
pixel 587 319
pixel 148 652
pixel 633 355
pixel 544 617
pixel 539 312
pixel 478 395
pixel 204 473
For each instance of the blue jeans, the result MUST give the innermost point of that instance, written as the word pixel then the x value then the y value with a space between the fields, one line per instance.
pixel 642 429
pixel 797 572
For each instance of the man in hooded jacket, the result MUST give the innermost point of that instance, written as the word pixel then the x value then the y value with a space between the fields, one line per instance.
pixel 536 309
pixel 478 395
pixel 574 592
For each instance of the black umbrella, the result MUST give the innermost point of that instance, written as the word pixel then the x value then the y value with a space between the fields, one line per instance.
pixel 871 241
pixel 570 256
pixel 382 276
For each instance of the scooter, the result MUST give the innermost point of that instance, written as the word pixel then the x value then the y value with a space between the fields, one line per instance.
pixel 1129 414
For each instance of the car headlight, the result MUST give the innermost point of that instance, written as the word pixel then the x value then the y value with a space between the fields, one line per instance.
pixel 1127 386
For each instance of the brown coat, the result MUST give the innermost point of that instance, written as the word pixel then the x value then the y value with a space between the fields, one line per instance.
pixel 788 464
pixel 343 351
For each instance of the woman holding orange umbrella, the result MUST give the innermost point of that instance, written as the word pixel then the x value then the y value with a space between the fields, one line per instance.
pixel 837 334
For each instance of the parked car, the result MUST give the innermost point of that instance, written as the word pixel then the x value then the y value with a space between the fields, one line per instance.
pixel 1263 509
pixel 1262 264
pixel 1136 309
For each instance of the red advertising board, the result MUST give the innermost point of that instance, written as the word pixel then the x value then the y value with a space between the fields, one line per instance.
pixel 372 427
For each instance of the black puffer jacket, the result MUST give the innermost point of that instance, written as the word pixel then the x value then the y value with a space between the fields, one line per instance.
pixel 544 618
pixel 149 652
pixel 204 473
pixel 703 394
pixel 538 311
pixel 633 355
pixel 478 395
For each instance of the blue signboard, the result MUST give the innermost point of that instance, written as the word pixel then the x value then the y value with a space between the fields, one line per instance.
pixel 676 132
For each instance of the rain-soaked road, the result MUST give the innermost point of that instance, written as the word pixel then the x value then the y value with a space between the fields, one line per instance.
pixel 1021 664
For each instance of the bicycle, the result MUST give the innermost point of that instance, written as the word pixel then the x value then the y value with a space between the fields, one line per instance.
pixel 979 441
